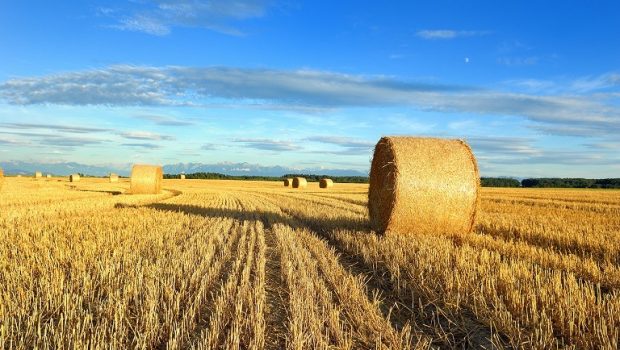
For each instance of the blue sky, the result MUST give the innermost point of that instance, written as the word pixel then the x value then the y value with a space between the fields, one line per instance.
pixel 534 86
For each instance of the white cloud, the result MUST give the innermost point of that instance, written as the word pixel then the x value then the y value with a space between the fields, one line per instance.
pixel 346 145
pixel 159 17
pixel 268 144
pixel 306 89
pixel 443 34
pixel 145 135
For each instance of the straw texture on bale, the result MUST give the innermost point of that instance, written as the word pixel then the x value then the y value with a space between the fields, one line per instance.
pixel 299 182
pixel 288 182
pixel 182 176
pixel 326 183
pixel 113 177
pixel 74 178
pixel 423 186
pixel 146 179
pixel 38 175
pixel 1 178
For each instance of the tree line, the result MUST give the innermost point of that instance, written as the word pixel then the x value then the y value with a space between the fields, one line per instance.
pixel 309 177
pixel 484 181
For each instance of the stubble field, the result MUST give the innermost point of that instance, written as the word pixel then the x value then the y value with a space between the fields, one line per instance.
pixel 254 265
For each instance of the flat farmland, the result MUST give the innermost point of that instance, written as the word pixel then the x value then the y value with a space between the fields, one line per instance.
pixel 255 265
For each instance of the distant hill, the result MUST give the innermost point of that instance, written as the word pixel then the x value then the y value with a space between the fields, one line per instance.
pixel 61 169
pixel 236 169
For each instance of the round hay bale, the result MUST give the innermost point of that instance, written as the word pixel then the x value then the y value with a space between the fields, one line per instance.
pixel 146 179
pixel 326 183
pixel 1 178
pixel 423 186
pixel 299 182
pixel 49 176
pixel 288 182
pixel 182 176
pixel 38 175
pixel 74 177
pixel 113 177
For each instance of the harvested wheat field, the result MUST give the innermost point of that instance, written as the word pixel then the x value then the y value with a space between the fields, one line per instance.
pixel 227 264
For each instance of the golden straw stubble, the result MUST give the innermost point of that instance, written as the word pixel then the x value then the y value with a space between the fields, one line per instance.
pixel 423 186
pixel 146 179
pixel 299 182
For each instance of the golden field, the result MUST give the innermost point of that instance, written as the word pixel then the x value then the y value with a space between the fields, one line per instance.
pixel 254 265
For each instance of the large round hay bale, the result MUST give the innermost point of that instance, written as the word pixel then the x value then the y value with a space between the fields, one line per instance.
pixel 38 175
pixel 299 182
pixel 146 179
pixel 423 186
pixel 113 177
pixel 288 182
pixel 74 177
pixel 1 178
pixel 326 183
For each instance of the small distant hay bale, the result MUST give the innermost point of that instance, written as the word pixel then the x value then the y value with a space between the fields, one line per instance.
pixel 299 182
pixel 288 182
pixel 113 177
pixel 74 178
pixel 19 175
pixel 49 176
pixel 1 178
pixel 423 186
pixel 182 176
pixel 326 183
pixel 38 175
pixel 146 179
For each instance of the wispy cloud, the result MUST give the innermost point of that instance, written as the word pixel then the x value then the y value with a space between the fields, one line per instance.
pixel 603 83
pixel 145 135
pixel 159 17
pixel 165 120
pixel 342 141
pixel 609 146
pixel 64 128
pixel 268 144
pixel 443 34
pixel 505 146
pixel 554 157
pixel 145 145
pixel 130 85
pixel 209 147
pixel 45 139
pixel 346 145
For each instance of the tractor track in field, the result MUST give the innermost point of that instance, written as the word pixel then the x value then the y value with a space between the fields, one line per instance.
pixel 446 331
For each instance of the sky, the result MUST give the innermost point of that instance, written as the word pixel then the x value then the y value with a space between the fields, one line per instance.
pixel 532 86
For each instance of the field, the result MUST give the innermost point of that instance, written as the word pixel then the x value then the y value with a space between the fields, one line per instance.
pixel 225 264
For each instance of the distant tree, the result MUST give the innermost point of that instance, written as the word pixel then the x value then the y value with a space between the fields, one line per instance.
pixel 499 182
pixel 570 183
